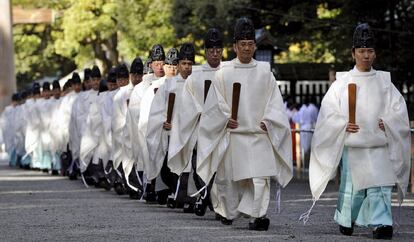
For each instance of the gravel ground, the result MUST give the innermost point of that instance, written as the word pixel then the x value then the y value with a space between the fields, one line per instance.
pixel 35 206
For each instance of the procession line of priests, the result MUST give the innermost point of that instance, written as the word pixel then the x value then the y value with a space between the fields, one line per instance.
pixel 127 127
pixel 37 122
pixel 184 130
pixel 219 142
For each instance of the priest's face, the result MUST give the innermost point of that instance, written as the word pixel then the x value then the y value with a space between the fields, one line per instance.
pixel 95 83
pixel 214 56
pixel 46 94
pixel 87 84
pixel 56 93
pixel 157 67
pixel 77 87
pixel 364 58
pixel 123 81
pixel 170 70
pixel 112 86
pixel 135 78
pixel 185 67
pixel 245 50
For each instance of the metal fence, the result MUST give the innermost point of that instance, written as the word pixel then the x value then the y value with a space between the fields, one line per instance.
pixel 297 90
pixel 300 89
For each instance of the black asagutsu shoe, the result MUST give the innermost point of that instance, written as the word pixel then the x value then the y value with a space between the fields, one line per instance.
pixel 226 221
pixel 135 195
pixel 346 231
pixel 259 224
pixel 188 208
pixel 119 188
pixel 150 197
pixel 200 208
pixel 171 202
pixel 162 197
pixel 382 232
pixel 104 183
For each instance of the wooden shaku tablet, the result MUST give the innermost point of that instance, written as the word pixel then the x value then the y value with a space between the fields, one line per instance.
pixel 352 102
pixel 235 100
pixel 171 100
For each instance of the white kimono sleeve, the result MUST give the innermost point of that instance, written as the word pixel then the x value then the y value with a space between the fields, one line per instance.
pixel 397 129
pixel 213 138
pixel 327 143
pixel 183 136
pixel 278 129
pixel 90 137
pixel 157 136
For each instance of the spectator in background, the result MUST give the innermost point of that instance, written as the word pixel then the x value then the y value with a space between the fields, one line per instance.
pixel 306 118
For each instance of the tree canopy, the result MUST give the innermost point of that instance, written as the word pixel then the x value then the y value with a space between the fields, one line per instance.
pixel 107 32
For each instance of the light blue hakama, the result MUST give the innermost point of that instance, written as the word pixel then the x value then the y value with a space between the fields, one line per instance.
pixel 46 160
pixel 13 158
pixel 56 162
pixel 368 207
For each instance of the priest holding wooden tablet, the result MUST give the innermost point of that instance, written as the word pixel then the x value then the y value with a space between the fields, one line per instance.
pixel 244 134
pixel 363 128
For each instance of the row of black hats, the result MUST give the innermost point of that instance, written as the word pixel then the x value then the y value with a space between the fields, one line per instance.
pixel 18 96
pixel 45 86
pixel 121 71
pixel 244 30
pixel 186 52
pixel 55 85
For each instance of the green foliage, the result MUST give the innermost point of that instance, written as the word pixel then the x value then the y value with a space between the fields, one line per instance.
pixel 310 31
pixel 91 31
pixel 143 24
pixel 34 56
pixel 109 31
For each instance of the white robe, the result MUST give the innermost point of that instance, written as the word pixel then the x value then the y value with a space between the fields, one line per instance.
pixel 7 128
pixel 248 150
pixel 79 114
pixel 46 108
pixel 144 112
pixel 32 134
pixel 183 136
pixel 131 137
pixel 64 118
pixel 19 129
pixel 104 149
pixel 55 127
pixel 118 123
pixel 306 117
pixel 96 141
pixel 157 136
pixel 376 158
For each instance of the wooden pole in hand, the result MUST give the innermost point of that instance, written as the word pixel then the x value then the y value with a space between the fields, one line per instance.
pixel 352 102
pixel 171 100
pixel 235 100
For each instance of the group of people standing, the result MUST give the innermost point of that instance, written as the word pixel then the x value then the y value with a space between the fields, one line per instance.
pixel 216 135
